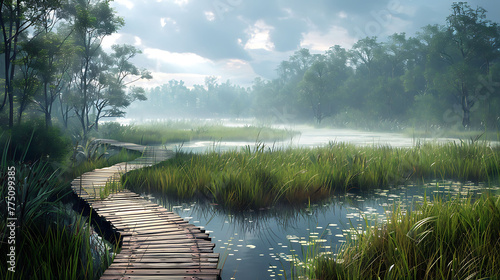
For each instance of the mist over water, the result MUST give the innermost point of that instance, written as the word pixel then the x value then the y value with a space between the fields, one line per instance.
pixel 307 136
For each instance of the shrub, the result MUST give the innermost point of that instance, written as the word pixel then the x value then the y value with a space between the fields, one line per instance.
pixel 31 141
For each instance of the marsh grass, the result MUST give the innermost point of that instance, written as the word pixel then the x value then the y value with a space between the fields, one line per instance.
pixel 457 239
pixel 113 185
pixel 51 241
pixel 92 163
pixel 178 132
pixel 262 177
pixel 66 248
pixel 472 135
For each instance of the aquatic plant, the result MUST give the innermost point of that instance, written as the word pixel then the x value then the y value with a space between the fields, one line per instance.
pixel 263 177
pixel 457 239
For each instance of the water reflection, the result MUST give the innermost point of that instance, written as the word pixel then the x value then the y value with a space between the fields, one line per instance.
pixel 261 244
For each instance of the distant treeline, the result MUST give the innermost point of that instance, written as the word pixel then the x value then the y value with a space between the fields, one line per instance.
pixel 447 75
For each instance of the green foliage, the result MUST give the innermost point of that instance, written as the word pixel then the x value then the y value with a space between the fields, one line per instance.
pixel 264 177
pixel 37 187
pixel 426 111
pixel 213 99
pixel 32 141
pixel 65 247
pixel 99 158
pixel 458 239
pixel 51 242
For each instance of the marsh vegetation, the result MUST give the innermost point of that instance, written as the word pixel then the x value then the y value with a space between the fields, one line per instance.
pixel 61 78
pixel 262 177
pixel 442 239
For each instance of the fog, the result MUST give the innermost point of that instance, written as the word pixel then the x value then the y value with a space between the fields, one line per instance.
pixel 412 78
pixel 260 77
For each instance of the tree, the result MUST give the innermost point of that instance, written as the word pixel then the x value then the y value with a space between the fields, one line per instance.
pixel 364 53
pixel 316 89
pixel 92 21
pixel 115 73
pixel 54 57
pixel 468 45
pixel 16 19
pixel 26 83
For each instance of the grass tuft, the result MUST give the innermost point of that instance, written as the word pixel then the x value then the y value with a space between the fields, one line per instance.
pixel 458 239
pixel 263 177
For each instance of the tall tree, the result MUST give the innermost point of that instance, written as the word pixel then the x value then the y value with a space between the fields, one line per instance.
pixel 471 43
pixel 364 54
pixel 92 21
pixel 316 89
pixel 53 65
pixel 110 97
pixel 16 19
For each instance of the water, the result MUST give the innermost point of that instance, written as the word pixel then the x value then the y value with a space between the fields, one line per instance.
pixel 261 244
pixel 312 137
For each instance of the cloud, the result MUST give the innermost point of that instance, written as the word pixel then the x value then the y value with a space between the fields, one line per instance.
pixel 186 60
pixel 321 41
pixel 260 37
pixel 231 38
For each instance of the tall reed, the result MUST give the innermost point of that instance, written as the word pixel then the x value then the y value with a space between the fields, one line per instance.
pixel 50 242
pixel 458 239
pixel 261 177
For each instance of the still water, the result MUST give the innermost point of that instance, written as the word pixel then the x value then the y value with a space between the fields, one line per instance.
pixel 313 137
pixel 261 244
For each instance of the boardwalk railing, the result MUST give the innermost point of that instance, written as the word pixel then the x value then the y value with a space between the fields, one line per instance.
pixel 156 244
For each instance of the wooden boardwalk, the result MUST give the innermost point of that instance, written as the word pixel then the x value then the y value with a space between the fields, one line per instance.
pixel 156 244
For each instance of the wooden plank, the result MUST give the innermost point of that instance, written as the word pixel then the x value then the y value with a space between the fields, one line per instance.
pixel 154 277
pixel 160 251
pixel 165 260
pixel 187 272
pixel 165 237
pixel 173 219
pixel 128 254
pixel 156 243
pixel 165 265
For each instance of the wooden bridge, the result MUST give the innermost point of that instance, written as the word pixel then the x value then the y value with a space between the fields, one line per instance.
pixel 156 244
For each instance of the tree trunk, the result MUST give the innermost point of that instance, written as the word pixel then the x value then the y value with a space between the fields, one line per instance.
pixel 48 106
pixel 48 119
pixel 466 106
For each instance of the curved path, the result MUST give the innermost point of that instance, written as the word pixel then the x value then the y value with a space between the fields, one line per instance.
pixel 157 244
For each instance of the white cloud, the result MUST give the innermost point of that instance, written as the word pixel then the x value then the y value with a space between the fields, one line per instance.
pixel 259 37
pixel 180 59
pixel 178 2
pixel 127 3
pixel 137 41
pixel 318 41
pixel 210 15
pixel 181 2
pixel 170 23
pixel 110 40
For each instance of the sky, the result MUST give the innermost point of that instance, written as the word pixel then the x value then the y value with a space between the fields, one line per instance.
pixel 239 40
